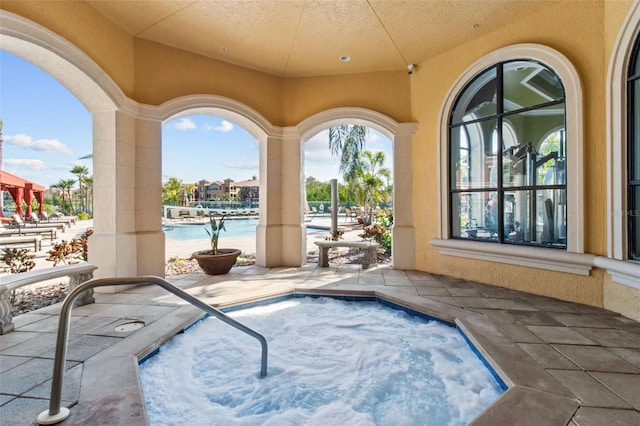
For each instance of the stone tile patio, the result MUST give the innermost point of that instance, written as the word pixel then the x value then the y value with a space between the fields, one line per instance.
pixel 565 364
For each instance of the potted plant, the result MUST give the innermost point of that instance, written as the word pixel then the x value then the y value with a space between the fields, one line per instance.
pixel 217 260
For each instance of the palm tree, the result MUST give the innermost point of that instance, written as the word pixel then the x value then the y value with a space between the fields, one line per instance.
pixel 171 191
pixel 88 186
pixel 65 188
pixel 373 179
pixel 81 173
pixel 347 141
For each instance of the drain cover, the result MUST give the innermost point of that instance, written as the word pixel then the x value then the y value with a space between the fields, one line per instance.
pixel 129 326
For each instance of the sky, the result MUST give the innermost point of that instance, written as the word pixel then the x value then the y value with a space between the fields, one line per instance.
pixel 47 131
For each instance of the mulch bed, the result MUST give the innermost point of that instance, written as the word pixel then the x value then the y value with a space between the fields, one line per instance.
pixel 35 297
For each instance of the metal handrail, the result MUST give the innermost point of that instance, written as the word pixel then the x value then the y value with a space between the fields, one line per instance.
pixel 56 413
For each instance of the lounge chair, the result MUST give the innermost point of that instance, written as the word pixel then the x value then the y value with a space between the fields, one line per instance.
pixel 28 231
pixel 44 216
pixel 36 219
pixel 22 240
pixel 19 223
pixel 352 215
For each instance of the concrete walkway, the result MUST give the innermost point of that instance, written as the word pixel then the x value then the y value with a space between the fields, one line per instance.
pixel 564 363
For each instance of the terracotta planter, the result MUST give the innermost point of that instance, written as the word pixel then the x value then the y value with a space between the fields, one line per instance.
pixel 218 264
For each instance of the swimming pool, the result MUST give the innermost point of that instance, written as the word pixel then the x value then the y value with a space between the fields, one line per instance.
pixel 196 231
pixel 331 362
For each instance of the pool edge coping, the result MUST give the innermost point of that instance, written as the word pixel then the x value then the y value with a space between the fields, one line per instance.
pixel 530 388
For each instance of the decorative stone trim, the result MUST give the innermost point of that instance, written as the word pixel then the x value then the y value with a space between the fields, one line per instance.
pixel 78 273
pixel 532 257
pixel 622 272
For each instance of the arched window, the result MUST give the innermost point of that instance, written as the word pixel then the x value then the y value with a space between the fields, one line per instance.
pixel 632 212
pixel 507 157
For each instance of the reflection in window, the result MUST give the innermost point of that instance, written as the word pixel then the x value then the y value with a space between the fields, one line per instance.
pixel 510 118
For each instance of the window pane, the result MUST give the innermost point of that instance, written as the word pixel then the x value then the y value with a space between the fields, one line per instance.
pixel 636 66
pixel 551 210
pixel 527 84
pixel 534 147
pixel 518 224
pixel 474 215
pixel 478 99
pixel 634 149
pixel 470 165
pixel 541 221
pixel 634 224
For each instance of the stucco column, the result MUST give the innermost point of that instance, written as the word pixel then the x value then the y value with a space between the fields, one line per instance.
pixel 150 242
pixel 403 232
pixel 127 239
pixel 294 235
pixel 112 247
pixel 269 230
pixel 280 235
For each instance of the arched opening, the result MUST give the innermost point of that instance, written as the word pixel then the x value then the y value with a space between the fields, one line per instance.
pixel 113 246
pixel 400 137
pixel 210 166
pixel 364 178
pixel 256 132
pixel 47 138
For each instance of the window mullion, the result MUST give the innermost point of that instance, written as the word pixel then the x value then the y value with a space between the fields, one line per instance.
pixel 500 109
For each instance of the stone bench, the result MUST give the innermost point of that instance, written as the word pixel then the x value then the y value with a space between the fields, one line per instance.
pixel 22 240
pixel 77 273
pixel 370 251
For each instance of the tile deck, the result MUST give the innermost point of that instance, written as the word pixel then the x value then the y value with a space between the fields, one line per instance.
pixel 564 363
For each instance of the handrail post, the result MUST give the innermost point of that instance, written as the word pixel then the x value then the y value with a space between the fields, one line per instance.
pixel 56 413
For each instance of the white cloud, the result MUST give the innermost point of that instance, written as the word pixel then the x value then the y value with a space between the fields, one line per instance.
pixel 30 164
pixel 45 145
pixel 224 127
pixel 243 166
pixel 185 124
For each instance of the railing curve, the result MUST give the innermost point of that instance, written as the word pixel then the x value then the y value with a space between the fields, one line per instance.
pixel 56 413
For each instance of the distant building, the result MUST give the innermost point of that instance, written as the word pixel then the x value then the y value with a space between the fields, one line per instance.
pixel 246 190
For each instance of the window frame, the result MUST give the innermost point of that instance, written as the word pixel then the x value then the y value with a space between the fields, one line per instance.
pixel 501 119
pixel 572 260
pixel 631 185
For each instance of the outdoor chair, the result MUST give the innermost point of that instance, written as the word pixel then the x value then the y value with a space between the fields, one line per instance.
pixel 22 240
pixel 19 223
pixel 52 232
pixel 34 218
pixel 44 216
pixel 352 215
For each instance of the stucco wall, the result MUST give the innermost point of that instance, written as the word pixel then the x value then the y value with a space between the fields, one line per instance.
pixel 109 46
pixel 385 92
pixel 164 73
pixel 577 33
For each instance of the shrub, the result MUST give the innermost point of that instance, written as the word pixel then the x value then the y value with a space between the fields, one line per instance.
pixel 17 260
pixel 380 232
pixel 70 252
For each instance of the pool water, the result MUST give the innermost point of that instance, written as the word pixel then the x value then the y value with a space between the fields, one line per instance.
pixel 331 362
pixel 233 228
pixel 196 231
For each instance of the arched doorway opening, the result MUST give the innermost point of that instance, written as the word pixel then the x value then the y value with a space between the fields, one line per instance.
pixel 400 136
pixel 360 159
pixel 210 166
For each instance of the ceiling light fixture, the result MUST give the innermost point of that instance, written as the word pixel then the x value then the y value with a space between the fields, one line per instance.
pixel 345 58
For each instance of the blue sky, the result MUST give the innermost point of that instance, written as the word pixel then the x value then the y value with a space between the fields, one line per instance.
pixel 47 131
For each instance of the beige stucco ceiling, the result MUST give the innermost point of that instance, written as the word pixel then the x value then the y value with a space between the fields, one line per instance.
pixel 294 38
